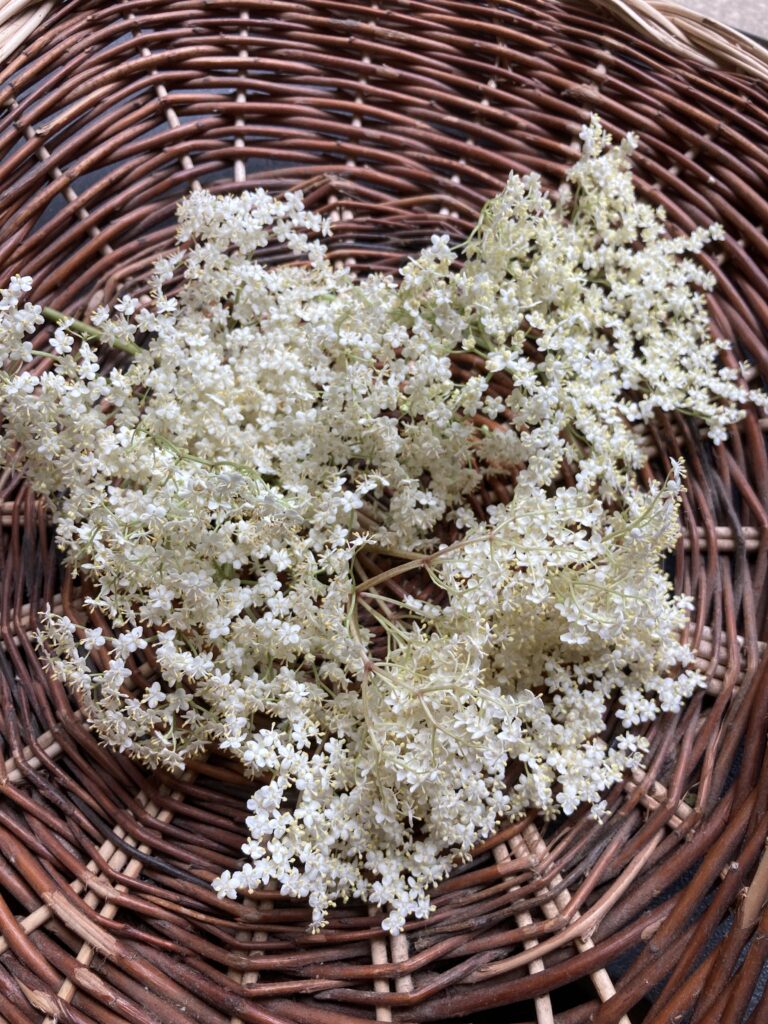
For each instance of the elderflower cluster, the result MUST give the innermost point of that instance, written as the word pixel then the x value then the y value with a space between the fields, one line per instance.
pixel 278 505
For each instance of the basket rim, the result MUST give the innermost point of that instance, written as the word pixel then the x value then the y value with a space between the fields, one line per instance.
pixel 683 31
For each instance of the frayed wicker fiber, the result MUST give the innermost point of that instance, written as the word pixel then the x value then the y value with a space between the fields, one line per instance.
pixel 399 119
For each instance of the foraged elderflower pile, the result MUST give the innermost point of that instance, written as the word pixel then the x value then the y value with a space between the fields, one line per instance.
pixel 276 501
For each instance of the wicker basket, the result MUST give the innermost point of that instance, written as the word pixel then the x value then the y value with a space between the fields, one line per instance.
pixel 398 119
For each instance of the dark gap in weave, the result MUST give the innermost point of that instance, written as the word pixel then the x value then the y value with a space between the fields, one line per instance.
pixel 210 788
pixel 713 940
pixel 581 993
pixel 519 1013
pixel 257 166
pixel 14 905
pixel 760 987
pixel 619 966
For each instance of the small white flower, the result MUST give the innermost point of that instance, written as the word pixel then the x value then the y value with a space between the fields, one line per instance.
pixel 154 695
pixel 225 886
pixel 127 643
pixel 93 638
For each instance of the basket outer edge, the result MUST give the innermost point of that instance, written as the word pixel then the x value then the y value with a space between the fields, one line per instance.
pixel 682 31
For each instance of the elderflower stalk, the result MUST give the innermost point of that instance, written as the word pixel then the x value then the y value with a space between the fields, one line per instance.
pixel 87 331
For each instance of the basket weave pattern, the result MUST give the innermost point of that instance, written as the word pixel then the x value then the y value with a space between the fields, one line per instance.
pixel 398 120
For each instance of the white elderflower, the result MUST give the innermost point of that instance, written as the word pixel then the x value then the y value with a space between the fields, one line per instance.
pixel 278 503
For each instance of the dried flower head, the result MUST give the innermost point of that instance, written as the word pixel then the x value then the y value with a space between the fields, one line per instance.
pixel 278 498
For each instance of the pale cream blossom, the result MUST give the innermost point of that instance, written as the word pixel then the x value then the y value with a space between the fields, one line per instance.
pixel 285 431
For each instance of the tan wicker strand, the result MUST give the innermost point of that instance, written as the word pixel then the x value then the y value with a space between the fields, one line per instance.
pixel 398 120
pixel 18 20
pixel 690 34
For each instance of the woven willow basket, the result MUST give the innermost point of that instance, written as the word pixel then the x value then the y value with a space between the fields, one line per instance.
pixel 398 119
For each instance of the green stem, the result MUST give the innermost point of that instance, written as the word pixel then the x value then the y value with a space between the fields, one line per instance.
pixel 87 331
